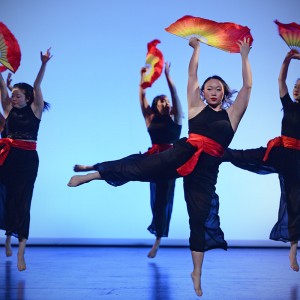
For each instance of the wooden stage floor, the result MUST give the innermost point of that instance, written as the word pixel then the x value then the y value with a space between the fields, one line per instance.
pixel 90 273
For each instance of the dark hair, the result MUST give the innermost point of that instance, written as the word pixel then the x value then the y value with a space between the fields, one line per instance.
pixel 226 101
pixel 29 95
pixel 154 103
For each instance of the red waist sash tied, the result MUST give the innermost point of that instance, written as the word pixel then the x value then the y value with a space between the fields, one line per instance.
pixel 284 141
pixel 7 143
pixel 202 143
pixel 156 148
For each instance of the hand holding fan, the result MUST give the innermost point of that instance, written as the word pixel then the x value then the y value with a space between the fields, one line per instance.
pixel 290 33
pixel 223 36
pixel 154 64
pixel 10 54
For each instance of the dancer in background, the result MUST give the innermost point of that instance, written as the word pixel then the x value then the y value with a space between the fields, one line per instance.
pixel 213 120
pixel 281 156
pixel 164 123
pixel 19 159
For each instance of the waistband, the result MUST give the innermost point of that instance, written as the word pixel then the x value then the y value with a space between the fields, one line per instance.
pixel 284 141
pixel 7 143
pixel 202 143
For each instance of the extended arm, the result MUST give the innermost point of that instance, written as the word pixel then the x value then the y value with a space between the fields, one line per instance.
pixel 145 107
pixel 176 105
pixel 38 103
pixel 195 103
pixel 238 108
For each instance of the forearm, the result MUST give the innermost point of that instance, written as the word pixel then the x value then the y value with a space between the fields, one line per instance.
pixel 284 70
pixel 246 74
pixel 282 77
pixel 193 65
pixel 40 76
pixel 3 89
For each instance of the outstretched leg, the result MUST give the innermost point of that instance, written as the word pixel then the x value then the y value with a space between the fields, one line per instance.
pixel 81 179
pixel 8 249
pixel 293 256
pixel 154 248
pixel 196 274
pixel 21 253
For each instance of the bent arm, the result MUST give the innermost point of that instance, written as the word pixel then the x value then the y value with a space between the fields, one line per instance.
pixel 238 108
pixel 5 102
pixel 176 105
pixel 2 122
pixel 283 89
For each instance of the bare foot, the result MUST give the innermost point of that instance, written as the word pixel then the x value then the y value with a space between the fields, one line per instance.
pixel 82 168
pixel 293 263
pixel 293 257
pixel 197 283
pixel 77 180
pixel 8 249
pixel 21 262
pixel 152 253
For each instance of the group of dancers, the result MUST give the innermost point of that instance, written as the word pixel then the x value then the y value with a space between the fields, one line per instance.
pixel 213 118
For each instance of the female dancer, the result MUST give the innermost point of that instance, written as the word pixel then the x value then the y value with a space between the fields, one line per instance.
pixel 281 156
pixel 164 126
pixel 197 158
pixel 19 159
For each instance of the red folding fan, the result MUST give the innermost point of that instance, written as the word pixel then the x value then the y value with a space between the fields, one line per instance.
pixel 10 54
pixel 154 64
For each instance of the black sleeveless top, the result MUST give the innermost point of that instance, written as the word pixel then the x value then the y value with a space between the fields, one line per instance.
pixel 290 125
pixel 22 124
pixel 213 124
pixel 163 130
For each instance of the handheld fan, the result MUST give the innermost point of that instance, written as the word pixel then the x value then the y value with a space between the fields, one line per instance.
pixel 223 36
pixel 290 33
pixel 10 53
pixel 154 64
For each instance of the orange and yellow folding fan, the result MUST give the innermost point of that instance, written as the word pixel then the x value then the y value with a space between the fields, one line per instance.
pixel 290 33
pixel 223 36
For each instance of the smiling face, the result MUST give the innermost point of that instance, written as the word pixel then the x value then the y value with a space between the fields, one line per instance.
pixel 296 91
pixel 18 98
pixel 214 93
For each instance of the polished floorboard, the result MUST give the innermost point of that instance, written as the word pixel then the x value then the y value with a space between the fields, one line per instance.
pixel 88 273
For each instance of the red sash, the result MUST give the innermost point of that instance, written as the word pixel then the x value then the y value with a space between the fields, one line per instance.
pixel 202 143
pixel 156 148
pixel 284 141
pixel 8 143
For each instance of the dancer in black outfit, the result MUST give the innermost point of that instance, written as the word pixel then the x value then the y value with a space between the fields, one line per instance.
pixel 281 156
pixel 164 125
pixel 18 156
pixel 197 158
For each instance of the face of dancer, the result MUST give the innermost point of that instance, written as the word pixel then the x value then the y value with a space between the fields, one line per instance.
pixel 213 93
pixel 164 106
pixel 296 91
pixel 18 98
